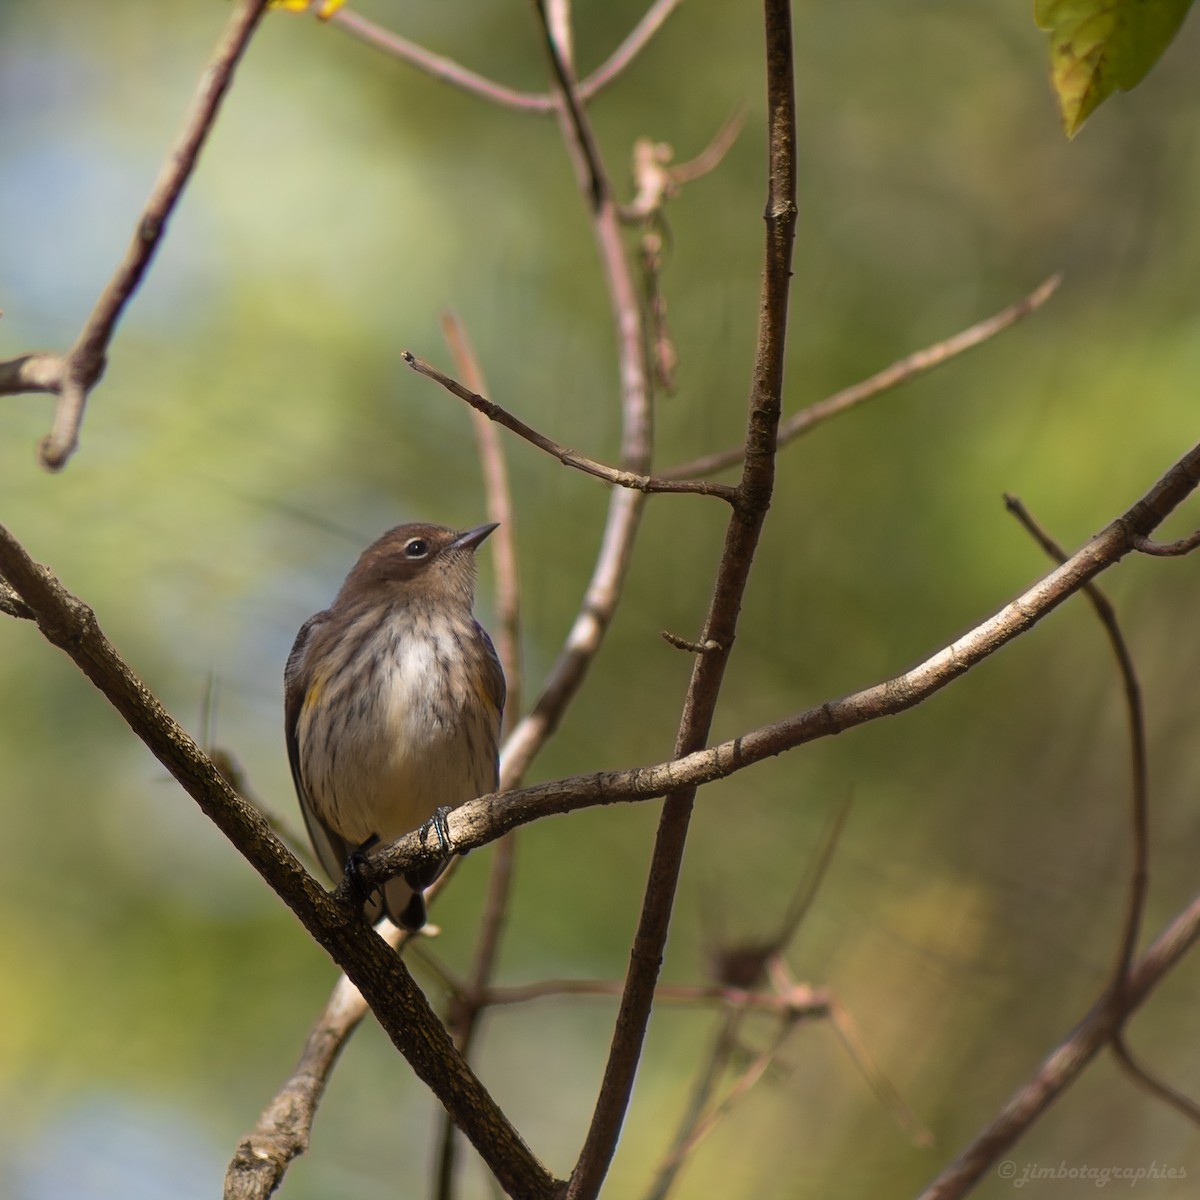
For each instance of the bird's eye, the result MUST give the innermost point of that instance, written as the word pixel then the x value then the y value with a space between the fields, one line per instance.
pixel 416 548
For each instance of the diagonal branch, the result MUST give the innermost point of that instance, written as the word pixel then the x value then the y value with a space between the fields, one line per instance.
pixel 1139 878
pixel 1067 1062
pixel 892 376
pixel 1169 549
pixel 481 821
pixel 446 70
pixel 283 1131
pixel 568 457
pixel 377 971
pixel 1184 1105
pixel 465 1012
pixel 750 508
pixel 83 365
pixel 635 42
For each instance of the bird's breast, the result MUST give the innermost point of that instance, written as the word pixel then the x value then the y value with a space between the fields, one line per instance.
pixel 401 733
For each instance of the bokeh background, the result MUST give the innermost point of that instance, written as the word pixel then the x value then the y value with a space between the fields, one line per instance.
pixel 256 427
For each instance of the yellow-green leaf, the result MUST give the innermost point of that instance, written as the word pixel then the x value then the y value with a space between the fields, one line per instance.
pixel 1097 46
pixel 323 8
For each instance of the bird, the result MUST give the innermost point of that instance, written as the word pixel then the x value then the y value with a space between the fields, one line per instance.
pixel 393 701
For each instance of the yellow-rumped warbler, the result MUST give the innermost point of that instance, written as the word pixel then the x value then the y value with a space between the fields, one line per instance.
pixel 392 701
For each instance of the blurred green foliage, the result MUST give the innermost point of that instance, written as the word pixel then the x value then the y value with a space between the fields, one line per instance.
pixel 256 427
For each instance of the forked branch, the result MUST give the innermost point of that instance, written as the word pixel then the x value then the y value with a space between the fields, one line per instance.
pixel 73 375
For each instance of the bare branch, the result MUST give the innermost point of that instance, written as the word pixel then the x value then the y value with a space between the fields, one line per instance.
pixel 285 1127
pixel 12 605
pixel 589 168
pixel 85 361
pixel 680 643
pixel 655 180
pixel 36 372
pixel 1068 1060
pixel 724 1045
pixel 374 967
pixel 494 469
pixel 480 821
pixel 750 507
pixel 800 1000
pixel 444 69
pixel 629 49
pixel 709 1120
pixel 713 154
pixel 465 1012
pixel 564 454
pixel 899 372
pixel 1182 1104
pixel 1168 549
pixel 880 1084
pixel 1139 876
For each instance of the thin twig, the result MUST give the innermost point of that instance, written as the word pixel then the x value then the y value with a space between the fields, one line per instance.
pixel 564 454
pixel 284 1129
pixel 751 965
pixel 1139 876
pixel 589 168
pixel 1182 1104
pixel 494 469
pixel 750 508
pixel 339 928
pixel 498 492
pixel 634 43
pixel 800 999
pixel 724 1045
pixel 444 69
pixel 810 885
pixel 707 1122
pixel 885 1091
pixel 899 372
pixel 12 605
pixel 85 361
pixel 656 180
pixel 39 371
pixel 1067 1061
pixel 481 821
pixel 1168 549
pixel 714 153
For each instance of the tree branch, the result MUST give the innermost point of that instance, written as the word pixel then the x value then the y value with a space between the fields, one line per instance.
pixel 480 821
pixel 465 1012
pixel 635 42
pixel 1169 549
pixel 899 372
pixel 377 971
pixel 285 1127
pixel 1182 1104
pixel 565 455
pixel 750 507
pixel 82 367
pixel 1067 1061
pixel 37 372
pixel 1139 876
pixel 446 70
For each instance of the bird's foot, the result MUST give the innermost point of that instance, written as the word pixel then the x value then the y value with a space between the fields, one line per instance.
pixel 356 863
pixel 438 824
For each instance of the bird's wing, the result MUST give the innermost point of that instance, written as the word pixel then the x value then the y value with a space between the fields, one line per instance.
pixel 495 689
pixel 331 849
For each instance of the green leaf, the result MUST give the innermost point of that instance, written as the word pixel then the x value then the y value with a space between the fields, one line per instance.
pixel 1097 46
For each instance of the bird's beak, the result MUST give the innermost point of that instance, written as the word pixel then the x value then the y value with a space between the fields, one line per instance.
pixel 472 538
